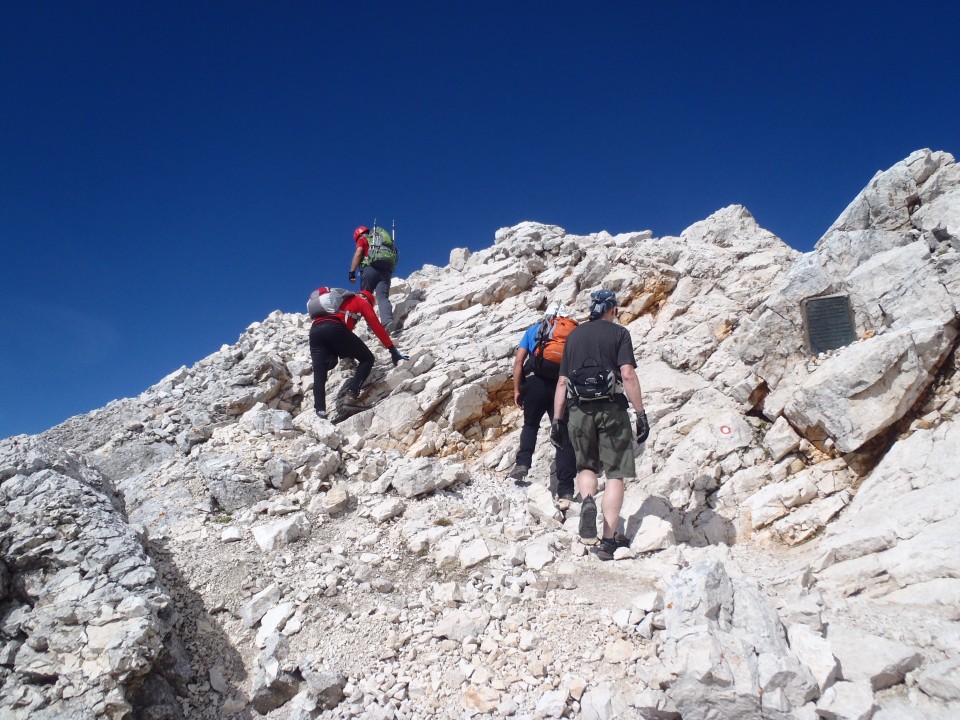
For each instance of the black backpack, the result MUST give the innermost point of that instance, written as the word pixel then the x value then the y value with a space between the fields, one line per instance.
pixel 590 383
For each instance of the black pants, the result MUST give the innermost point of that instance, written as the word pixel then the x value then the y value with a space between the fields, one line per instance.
pixel 538 399
pixel 329 341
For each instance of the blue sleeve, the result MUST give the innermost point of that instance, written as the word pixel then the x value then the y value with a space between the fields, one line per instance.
pixel 529 340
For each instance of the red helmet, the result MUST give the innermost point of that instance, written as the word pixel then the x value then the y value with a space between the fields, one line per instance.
pixel 362 230
pixel 366 295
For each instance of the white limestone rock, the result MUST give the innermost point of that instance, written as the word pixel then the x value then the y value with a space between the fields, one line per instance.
pixel 387 510
pixel 256 607
pixel 654 534
pixel 552 704
pixel 892 371
pixel 941 680
pixel 725 644
pixel 473 553
pixel 868 658
pixel 537 555
pixel 812 649
pixel 280 533
pixel 781 439
pixel 847 701
pixel 460 624
pixel 273 622
pixel 777 499
pixel 422 475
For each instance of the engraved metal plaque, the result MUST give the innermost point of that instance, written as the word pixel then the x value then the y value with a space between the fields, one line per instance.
pixel 827 323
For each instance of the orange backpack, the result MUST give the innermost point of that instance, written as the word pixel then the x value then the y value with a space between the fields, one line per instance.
pixel 548 350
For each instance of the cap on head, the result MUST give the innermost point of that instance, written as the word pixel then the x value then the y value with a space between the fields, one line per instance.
pixel 366 295
pixel 362 230
pixel 557 309
pixel 601 301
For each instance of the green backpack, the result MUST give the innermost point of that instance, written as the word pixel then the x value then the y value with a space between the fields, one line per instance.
pixel 383 252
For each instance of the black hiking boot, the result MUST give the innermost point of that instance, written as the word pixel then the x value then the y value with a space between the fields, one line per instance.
pixel 588 518
pixel 519 475
pixel 608 546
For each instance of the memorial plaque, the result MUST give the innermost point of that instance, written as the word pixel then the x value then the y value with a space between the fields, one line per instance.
pixel 827 323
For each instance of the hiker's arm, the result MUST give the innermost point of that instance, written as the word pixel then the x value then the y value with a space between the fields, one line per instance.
pixel 357 259
pixel 631 386
pixel 366 309
pixel 518 361
pixel 560 397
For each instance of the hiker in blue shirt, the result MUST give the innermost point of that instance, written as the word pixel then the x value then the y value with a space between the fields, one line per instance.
pixel 535 371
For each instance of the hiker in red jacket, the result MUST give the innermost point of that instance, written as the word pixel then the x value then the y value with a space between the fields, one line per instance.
pixel 332 337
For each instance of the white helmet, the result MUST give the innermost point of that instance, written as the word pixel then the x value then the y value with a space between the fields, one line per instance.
pixel 557 309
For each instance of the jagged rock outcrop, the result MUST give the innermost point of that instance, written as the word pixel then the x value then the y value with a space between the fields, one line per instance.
pixel 792 525
pixel 83 618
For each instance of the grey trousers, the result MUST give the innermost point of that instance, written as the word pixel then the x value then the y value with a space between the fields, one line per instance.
pixel 378 282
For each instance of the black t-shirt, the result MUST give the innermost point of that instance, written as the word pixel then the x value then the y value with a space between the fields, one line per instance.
pixel 598 342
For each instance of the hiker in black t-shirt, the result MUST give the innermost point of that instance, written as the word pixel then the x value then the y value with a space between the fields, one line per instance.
pixel 597 377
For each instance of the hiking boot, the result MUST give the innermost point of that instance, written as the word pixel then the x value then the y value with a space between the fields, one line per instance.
pixel 519 473
pixel 322 414
pixel 588 518
pixel 352 400
pixel 608 546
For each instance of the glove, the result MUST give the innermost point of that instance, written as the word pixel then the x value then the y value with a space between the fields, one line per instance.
pixel 396 356
pixel 643 427
pixel 558 434
pixel 352 275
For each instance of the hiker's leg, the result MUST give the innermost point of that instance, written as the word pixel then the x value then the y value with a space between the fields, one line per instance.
pixel 536 401
pixel 320 355
pixel 369 279
pixel 566 458
pixel 352 346
pixel 610 505
pixel 566 470
pixel 587 483
pixel 384 308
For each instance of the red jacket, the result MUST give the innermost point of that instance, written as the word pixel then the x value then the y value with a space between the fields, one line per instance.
pixel 351 310
pixel 363 242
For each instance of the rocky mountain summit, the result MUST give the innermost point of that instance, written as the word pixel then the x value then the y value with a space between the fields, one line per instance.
pixel 211 549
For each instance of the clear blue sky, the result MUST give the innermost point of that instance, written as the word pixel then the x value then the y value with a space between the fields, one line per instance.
pixel 172 171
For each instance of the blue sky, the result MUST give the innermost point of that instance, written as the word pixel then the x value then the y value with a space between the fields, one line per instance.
pixel 172 171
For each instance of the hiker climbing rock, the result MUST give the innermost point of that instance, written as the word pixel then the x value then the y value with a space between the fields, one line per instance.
pixel 597 377
pixel 536 368
pixel 376 257
pixel 335 313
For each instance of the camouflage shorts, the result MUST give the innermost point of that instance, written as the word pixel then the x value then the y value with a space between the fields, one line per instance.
pixel 602 439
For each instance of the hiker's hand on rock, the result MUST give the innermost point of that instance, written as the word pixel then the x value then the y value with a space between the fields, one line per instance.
pixel 396 356
pixel 643 427
pixel 558 434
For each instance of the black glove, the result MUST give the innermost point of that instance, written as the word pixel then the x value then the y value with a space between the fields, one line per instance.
pixel 643 427
pixel 352 275
pixel 558 434
pixel 396 356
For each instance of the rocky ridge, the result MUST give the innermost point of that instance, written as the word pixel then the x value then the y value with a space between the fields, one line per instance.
pixel 211 549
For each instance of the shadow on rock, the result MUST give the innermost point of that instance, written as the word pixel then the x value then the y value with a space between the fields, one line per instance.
pixel 199 673
pixel 657 525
